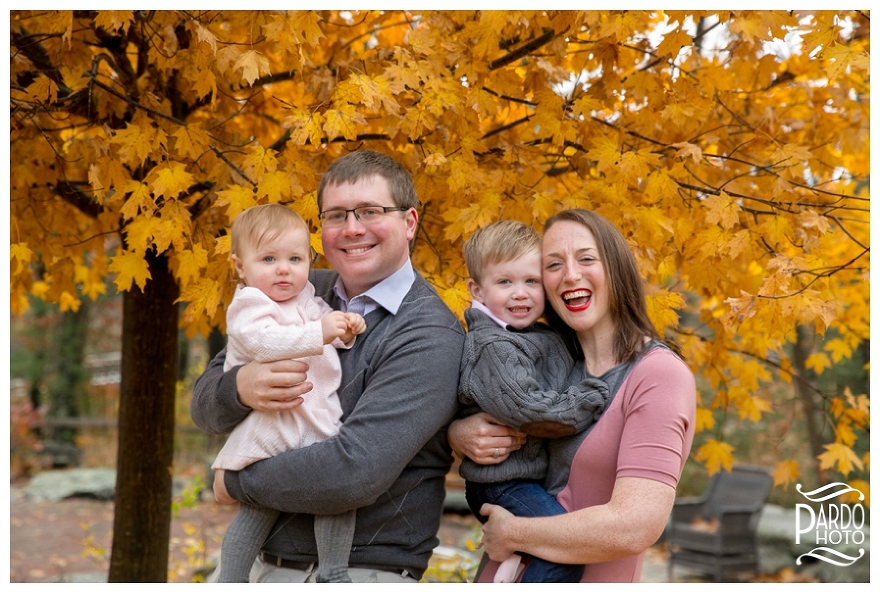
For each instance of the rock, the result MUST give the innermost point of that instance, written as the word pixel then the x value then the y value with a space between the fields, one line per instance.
pixel 777 549
pixel 99 483
pixel 57 485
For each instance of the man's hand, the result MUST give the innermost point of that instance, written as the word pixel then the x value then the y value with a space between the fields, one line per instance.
pixel 483 439
pixel 273 386
pixel 220 493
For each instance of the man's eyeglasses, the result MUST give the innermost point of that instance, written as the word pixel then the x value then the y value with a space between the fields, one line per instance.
pixel 366 215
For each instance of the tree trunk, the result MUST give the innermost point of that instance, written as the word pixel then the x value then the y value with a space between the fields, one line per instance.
pixel 142 517
pixel 812 402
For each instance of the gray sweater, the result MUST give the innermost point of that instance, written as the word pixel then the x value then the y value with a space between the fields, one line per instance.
pixel 519 377
pixel 391 456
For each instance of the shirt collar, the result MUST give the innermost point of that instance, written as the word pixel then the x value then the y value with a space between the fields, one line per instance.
pixel 388 294
pixel 484 309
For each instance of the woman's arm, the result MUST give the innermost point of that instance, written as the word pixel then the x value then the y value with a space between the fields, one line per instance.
pixel 628 524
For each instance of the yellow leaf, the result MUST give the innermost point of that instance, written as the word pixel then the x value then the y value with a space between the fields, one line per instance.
pixel 315 242
pixel 660 185
pixel 44 90
pixel 139 233
pixel 435 159
pixel 204 84
pixel 114 20
pixel 377 91
pixel 752 407
pixel 21 254
pixel 716 455
pixel 135 143
pixel 304 25
pixel 190 264
pixel 252 65
pixel 129 268
pixel 343 122
pixel 139 201
pixel 236 199
pixel 171 180
pixel 844 433
pixel 673 42
pixel 457 297
pixel 841 456
pixel 275 185
pixel 605 151
pixel 175 225
pixel 191 142
pixel 661 309
pixel 791 151
pixel 839 349
pixel 259 161
pixel 853 497
pixel 205 35
pixel 722 210
pixel 704 420
pixel 68 302
pixel 785 473
pixel 818 361
pixel 204 296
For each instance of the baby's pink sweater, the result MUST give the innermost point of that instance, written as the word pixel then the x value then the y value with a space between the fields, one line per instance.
pixel 261 329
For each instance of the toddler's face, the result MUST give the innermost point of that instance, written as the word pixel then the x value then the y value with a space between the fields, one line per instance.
pixel 278 267
pixel 512 290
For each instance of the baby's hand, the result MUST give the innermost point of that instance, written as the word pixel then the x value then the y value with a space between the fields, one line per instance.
pixel 335 325
pixel 356 324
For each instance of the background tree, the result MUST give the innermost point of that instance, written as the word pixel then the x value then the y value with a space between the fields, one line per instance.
pixel 730 147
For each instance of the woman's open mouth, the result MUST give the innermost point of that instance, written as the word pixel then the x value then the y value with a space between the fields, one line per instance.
pixel 577 300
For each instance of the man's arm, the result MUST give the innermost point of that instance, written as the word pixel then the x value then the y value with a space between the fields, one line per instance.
pixel 222 399
pixel 409 398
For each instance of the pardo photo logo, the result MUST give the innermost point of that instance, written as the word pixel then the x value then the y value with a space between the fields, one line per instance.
pixel 833 524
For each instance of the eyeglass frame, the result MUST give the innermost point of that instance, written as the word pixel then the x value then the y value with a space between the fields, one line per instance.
pixel 384 209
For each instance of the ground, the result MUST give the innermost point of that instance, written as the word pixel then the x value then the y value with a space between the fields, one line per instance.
pixel 70 539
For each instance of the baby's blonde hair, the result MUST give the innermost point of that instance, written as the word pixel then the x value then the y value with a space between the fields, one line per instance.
pixel 500 241
pixel 263 223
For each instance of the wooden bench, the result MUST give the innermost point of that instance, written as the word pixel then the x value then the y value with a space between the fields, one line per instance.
pixel 717 532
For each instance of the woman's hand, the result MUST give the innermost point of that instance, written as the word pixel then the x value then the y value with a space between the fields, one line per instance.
pixel 273 386
pixel 483 439
pixel 498 532
pixel 220 493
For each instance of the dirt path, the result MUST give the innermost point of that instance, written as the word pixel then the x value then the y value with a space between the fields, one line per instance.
pixel 63 541
pixel 60 541
pixel 51 541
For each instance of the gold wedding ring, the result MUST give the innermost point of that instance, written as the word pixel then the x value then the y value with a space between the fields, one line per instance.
pixel 495 455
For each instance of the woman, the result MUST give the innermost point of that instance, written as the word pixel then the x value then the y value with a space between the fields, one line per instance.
pixel 618 479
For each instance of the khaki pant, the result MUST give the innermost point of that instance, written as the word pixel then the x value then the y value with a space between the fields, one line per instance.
pixel 269 573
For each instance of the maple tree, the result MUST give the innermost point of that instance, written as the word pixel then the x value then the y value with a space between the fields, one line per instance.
pixel 731 148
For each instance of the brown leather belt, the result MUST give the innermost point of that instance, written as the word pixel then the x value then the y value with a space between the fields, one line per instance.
pixel 308 566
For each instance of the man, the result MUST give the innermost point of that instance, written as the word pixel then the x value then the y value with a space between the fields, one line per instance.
pixel 398 393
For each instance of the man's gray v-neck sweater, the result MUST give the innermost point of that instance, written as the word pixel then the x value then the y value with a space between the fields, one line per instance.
pixel 391 456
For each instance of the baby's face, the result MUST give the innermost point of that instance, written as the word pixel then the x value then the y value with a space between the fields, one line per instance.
pixel 278 267
pixel 512 290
